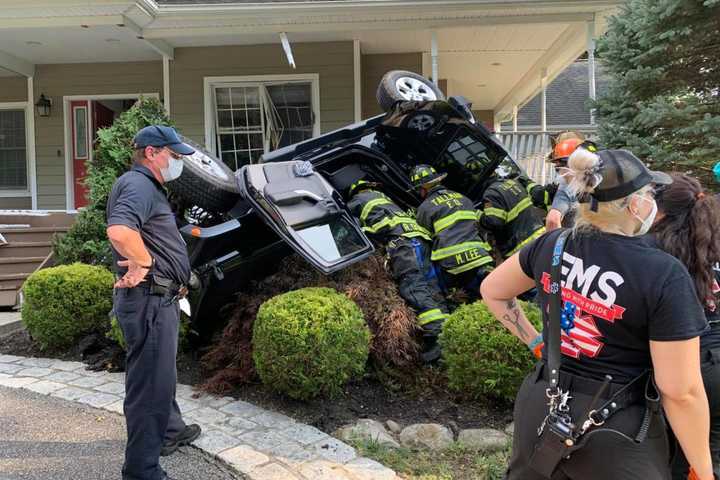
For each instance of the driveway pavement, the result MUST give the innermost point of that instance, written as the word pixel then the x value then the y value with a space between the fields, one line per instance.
pixel 46 438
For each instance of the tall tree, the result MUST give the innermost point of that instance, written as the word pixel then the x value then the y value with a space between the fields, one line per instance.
pixel 663 100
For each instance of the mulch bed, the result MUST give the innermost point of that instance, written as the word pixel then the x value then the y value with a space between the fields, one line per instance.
pixel 395 386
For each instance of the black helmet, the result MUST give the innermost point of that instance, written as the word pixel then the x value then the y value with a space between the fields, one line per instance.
pixel 422 175
pixel 361 185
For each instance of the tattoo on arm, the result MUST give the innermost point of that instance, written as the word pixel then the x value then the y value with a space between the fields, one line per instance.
pixel 512 318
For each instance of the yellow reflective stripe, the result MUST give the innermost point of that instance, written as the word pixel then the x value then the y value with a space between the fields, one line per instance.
pixel 370 205
pixel 478 262
pixel 519 208
pixel 431 316
pixel 416 234
pixel 456 249
pixel 532 237
pixel 496 212
pixel 453 218
pixel 530 186
pixel 388 222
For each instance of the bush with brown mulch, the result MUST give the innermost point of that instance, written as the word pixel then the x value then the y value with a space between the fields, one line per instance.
pixel 368 283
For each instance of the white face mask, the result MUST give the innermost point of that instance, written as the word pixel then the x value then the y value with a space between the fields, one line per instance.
pixel 173 170
pixel 646 223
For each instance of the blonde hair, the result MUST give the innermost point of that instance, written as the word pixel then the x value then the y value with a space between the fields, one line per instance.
pixel 585 170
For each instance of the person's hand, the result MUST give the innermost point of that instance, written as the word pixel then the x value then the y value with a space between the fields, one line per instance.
pixel 136 273
pixel 553 220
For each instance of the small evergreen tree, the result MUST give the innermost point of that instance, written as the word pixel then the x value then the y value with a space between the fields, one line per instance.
pixel 86 241
pixel 663 99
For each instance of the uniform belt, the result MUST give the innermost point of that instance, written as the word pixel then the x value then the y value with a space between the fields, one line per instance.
pixel 157 285
pixel 575 383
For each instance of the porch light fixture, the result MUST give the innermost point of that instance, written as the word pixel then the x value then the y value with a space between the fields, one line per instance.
pixel 43 106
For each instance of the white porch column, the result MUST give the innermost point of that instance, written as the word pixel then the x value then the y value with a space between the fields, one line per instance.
pixel 357 70
pixel 30 140
pixel 543 100
pixel 515 118
pixel 166 83
pixel 434 57
pixel 515 131
pixel 591 65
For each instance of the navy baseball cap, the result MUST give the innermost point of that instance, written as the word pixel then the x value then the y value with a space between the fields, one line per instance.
pixel 162 136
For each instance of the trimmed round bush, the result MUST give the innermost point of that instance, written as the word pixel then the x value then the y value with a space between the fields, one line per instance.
pixel 309 342
pixel 482 357
pixel 63 303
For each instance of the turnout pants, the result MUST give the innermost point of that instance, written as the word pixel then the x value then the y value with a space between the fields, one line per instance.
pixel 468 281
pixel 150 326
pixel 710 368
pixel 417 283
pixel 610 451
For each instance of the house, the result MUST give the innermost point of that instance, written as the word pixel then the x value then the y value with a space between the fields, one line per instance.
pixel 243 77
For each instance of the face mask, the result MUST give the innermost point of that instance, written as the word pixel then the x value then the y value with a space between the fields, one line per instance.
pixel 173 170
pixel 716 172
pixel 646 223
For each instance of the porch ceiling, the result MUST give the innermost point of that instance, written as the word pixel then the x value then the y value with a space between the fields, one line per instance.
pixel 493 52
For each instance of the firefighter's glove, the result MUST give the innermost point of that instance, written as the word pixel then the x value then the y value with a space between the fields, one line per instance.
pixel 536 346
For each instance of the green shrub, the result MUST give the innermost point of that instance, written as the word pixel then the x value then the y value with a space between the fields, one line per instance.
pixel 116 334
pixel 62 303
pixel 309 342
pixel 86 241
pixel 482 357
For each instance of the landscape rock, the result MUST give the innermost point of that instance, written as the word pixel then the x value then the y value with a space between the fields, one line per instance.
pixel 510 429
pixel 393 426
pixel 367 430
pixel 484 439
pixel 426 435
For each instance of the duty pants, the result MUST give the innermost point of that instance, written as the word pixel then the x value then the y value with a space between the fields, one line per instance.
pixel 468 281
pixel 610 452
pixel 150 326
pixel 418 286
pixel 710 368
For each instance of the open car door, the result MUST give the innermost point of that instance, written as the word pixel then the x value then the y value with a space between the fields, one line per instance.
pixel 306 212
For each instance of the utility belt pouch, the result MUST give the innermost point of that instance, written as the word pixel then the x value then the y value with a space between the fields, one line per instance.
pixel 160 285
pixel 555 443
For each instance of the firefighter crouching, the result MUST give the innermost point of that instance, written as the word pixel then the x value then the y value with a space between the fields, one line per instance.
pixel 408 250
pixel 451 219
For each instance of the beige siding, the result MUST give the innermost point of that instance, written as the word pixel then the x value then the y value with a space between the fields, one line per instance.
pixel 333 62
pixel 56 81
pixel 375 66
pixel 12 203
pixel 13 89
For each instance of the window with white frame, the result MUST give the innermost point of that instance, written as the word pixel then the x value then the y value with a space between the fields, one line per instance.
pixel 13 152
pixel 252 118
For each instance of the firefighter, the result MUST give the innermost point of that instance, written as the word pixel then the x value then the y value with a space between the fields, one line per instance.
pixel 408 247
pixel 450 217
pixel 508 213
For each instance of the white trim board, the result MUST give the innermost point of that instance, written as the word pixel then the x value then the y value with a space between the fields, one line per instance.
pixel 209 109
pixel 28 109
pixel 67 132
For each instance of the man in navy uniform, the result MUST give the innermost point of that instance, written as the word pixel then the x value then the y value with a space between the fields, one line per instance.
pixel 153 270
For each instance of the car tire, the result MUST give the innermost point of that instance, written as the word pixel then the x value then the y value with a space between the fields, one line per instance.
pixel 206 182
pixel 401 85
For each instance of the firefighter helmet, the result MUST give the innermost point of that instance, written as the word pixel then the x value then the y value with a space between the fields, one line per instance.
pixel 422 175
pixel 361 185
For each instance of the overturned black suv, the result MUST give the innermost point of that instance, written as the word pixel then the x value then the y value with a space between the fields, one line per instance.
pixel 240 225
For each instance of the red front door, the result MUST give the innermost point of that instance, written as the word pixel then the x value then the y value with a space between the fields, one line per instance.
pixel 79 119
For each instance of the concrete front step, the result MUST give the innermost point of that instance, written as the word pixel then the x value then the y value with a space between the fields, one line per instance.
pixel 25 249
pixel 31 234
pixel 9 321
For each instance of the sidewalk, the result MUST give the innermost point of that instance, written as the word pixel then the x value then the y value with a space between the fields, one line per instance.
pixel 257 443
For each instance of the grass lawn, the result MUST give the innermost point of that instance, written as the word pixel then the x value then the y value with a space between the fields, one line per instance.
pixel 455 463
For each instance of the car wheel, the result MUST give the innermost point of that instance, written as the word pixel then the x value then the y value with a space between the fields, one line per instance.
pixel 205 182
pixel 405 86
pixel 420 121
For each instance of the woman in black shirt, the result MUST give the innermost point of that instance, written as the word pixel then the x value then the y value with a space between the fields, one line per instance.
pixel 628 308
pixel 688 228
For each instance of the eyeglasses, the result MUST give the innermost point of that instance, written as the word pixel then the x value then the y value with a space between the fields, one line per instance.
pixel 174 155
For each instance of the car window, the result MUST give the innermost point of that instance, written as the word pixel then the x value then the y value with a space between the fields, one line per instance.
pixel 333 240
pixel 467 161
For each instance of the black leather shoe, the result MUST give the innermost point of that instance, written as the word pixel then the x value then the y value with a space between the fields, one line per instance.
pixel 186 437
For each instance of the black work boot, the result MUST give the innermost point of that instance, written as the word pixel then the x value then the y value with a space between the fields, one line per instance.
pixel 186 437
pixel 431 348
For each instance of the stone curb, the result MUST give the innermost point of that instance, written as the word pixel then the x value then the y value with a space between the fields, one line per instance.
pixel 258 443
